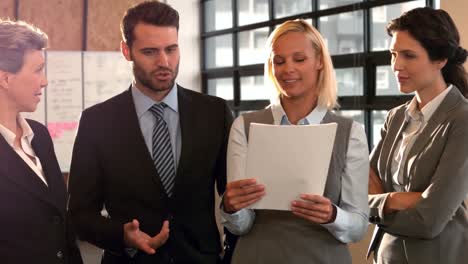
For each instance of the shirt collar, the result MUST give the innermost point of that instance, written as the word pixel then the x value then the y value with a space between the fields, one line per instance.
pixel 10 136
pixel 280 118
pixel 428 110
pixel 143 102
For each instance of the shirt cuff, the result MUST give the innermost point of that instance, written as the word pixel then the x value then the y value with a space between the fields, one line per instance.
pixel 340 221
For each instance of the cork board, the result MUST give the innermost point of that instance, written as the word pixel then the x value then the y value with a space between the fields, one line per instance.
pixel 62 20
pixel 457 10
pixel 104 26
pixel 7 9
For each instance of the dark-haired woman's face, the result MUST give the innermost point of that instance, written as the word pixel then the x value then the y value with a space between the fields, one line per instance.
pixel 414 71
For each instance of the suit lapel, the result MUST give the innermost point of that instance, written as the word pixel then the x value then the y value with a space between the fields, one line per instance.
pixel 18 172
pixel 376 237
pixel 55 182
pixel 399 124
pixel 439 116
pixel 187 124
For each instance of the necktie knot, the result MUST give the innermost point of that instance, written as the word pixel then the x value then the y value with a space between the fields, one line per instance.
pixel 158 110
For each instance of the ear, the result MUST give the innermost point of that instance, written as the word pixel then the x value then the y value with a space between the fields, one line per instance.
pixel 4 80
pixel 319 62
pixel 125 49
pixel 440 63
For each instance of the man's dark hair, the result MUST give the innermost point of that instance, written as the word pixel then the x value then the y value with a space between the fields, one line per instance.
pixel 149 12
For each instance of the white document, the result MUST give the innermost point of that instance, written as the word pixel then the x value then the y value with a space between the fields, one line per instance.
pixel 289 161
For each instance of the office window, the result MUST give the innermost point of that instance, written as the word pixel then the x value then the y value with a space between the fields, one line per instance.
pixel 325 4
pixel 381 15
pixel 219 14
pixel 378 120
pixel 349 81
pixel 233 41
pixel 219 51
pixel 221 87
pixel 344 33
pixel 287 7
pixel 253 88
pixel 252 46
pixel 251 11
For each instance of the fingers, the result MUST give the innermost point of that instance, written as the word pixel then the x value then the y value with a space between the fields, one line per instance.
pixel 161 238
pixel 241 183
pixel 133 225
pixel 134 237
pixel 242 193
pixel 315 208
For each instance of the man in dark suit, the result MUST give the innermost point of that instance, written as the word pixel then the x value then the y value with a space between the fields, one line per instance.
pixel 151 156
pixel 33 194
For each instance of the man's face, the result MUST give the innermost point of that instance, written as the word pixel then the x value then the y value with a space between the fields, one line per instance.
pixel 155 56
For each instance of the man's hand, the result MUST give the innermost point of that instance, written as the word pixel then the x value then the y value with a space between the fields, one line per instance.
pixel 135 238
pixel 242 193
pixel 315 208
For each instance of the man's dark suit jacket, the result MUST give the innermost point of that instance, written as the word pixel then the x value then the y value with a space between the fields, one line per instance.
pixel 111 166
pixel 33 216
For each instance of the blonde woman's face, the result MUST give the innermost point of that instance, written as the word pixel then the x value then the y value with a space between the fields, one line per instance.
pixel 295 66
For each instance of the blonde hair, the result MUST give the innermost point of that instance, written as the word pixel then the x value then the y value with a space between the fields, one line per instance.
pixel 16 39
pixel 326 82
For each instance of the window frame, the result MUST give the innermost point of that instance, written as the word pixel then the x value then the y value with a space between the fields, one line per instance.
pixel 368 60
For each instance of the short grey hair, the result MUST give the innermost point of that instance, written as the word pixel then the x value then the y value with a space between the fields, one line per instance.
pixel 16 39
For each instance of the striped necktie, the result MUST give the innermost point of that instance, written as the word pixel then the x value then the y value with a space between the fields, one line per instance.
pixel 162 150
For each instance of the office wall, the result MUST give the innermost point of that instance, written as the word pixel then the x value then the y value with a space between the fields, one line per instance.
pixel 7 8
pixel 457 10
pixel 61 19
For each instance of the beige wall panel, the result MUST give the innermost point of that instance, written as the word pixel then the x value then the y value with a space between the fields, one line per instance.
pixel 104 23
pixel 62 20
pixel 7 9
pixel 457 10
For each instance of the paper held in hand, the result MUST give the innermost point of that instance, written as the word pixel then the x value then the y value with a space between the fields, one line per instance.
pixel 289 161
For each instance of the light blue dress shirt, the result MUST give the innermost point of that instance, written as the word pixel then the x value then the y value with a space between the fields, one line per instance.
pixel 147 120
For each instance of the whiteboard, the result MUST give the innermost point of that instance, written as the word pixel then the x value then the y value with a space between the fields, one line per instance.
pixel 106 74
pixel 64 101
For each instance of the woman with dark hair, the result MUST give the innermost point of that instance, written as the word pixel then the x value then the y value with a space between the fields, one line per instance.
pixel 419 170
pixel 33 195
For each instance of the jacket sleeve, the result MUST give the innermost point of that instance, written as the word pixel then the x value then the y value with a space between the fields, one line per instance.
pixel 377 201
pixel 86 191
pixel 445 194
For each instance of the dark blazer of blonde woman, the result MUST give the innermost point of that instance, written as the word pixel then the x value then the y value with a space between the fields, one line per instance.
pixel 435 230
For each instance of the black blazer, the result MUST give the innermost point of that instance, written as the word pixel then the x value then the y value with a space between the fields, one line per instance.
pixel 112 167
pixel 33 216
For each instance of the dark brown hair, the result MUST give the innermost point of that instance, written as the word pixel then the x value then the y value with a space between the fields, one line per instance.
pixel 148 12
pixel 17 38
pixel 435 30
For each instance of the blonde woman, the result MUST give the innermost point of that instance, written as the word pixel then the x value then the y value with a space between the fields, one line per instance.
pixel 317 228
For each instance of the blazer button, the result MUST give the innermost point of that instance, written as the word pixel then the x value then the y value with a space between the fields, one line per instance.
pixel 59 254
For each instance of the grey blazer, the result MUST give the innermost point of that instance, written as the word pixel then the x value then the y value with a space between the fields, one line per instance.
pixel 436 230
